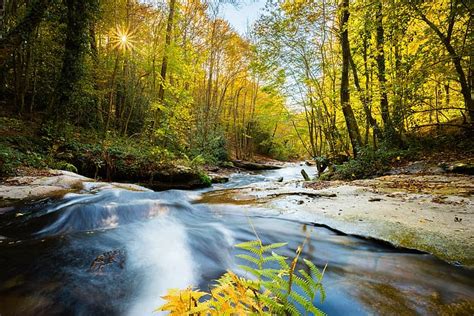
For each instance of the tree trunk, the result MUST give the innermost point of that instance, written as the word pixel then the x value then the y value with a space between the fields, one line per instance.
pixel 387 121
pixel 77 32
pixel 352 128
pixel 23 30
pixel 364 100
pixel 164 62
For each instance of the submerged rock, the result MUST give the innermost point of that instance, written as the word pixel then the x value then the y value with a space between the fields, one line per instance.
pixel 108 261
pixel 463 168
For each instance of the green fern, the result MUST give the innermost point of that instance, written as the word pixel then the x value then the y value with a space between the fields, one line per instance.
pixel 276 288
pixel 284 283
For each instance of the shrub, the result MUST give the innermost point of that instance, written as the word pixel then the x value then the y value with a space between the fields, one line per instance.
pixel 10 160
pixel 63 165
pixel 369 163
pixel 205 179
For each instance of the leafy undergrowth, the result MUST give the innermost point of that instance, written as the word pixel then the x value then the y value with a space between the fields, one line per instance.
pixel 433 149
pixel 29 145
pixel 369 163
pixel 275 287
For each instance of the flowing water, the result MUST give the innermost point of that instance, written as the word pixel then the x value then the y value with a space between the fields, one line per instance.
pixel 168 240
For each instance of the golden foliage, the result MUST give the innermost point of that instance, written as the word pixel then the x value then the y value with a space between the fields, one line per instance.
pixel 272 290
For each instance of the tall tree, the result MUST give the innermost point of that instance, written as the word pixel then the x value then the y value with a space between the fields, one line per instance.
pixel 384 108
pixel 23 30
pixel 79 14
pixel 164 62
pixel 456 7
pixel 351 123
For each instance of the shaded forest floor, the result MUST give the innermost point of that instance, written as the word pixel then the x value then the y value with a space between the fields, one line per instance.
pixel 28 148
pixel 435 151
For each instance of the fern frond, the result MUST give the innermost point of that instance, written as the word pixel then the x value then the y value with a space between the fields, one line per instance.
pixel 315 311
pixel 201 309
pixel 314 285
pixel 314 270
pixel 272 273
pixel 304 285
pixel 300 299
pixel 252 271
pixel 281 260
pixel 249 258
pixel 292 310
pixel 267 248
pixel 275 308
pixel 277 290
pixel 270 259
pixel 323 293
pixel 249 245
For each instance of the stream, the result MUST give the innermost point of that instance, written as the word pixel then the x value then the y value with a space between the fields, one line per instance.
pixel 171 240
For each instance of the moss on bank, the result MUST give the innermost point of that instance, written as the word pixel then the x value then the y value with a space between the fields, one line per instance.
pixel 30 145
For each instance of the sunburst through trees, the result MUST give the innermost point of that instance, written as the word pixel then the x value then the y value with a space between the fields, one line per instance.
pixel 123 38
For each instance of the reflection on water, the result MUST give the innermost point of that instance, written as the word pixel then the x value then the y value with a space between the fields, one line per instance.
pixel 170 242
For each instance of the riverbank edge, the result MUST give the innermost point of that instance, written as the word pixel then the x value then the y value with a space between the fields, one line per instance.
pixel 435 220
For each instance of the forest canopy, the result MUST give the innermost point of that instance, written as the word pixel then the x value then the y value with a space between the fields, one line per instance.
pixel 314 78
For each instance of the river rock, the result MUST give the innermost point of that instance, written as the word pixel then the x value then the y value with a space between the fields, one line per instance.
pixel 305 175
pixel 57 183
pixel 178 177
pixel 218 178
pixel 431 213
pixel 310 163
pixel 108 261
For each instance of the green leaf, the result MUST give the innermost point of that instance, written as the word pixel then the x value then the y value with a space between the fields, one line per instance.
pixel 249 244
pixel 249 258
pixel 274 246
